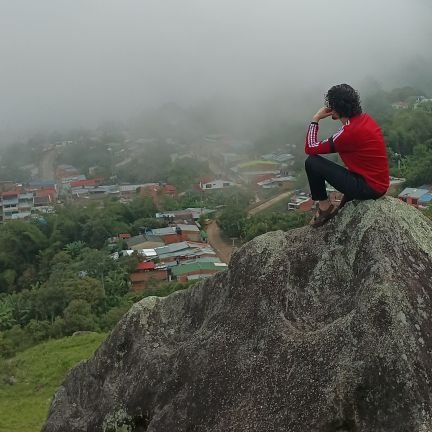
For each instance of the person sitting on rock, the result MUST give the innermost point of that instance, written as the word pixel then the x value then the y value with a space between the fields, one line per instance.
pixel 360 144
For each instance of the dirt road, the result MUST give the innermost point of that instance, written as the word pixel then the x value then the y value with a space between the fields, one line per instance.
pixel 46 166
pixel 222 248
pixel 265 205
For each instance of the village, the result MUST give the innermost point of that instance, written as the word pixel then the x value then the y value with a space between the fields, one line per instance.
pixel 181 251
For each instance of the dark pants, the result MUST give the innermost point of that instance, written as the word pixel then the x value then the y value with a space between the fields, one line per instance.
pixel 353 186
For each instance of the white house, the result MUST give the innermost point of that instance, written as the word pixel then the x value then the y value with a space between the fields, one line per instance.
pixel 216 185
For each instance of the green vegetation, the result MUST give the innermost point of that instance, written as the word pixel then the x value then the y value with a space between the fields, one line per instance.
pixel 56 273
pixel 29 380
pixel 229 197
pixel 234 222
pixel 57 276
pixel 408 132
pixel 266 222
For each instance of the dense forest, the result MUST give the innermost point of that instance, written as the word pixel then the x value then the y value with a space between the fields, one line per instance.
pixel 57 275
pixel 56 272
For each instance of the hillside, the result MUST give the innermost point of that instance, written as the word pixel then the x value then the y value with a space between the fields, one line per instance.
pixel 308 330
pixel 38 372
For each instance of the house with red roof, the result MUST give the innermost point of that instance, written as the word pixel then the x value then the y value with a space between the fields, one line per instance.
pixel 169 190
pixel 146 272
pixel 84 183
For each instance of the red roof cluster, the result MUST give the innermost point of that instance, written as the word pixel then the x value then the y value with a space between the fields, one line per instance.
pixel 46 193
pixel 10 193
pixel 80 183
pixel 146 265
pixel 170 189
pixel 124 236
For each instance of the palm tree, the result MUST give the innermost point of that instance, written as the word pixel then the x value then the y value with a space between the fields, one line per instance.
pixel 75 248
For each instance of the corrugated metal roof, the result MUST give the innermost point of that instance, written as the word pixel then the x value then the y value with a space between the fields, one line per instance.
pixel 188 228
pixel 196 266
pixel 134 187
pixel 148 252
pixel 163 231
pixel 43 182
pixel 426 198
pixel 173 247
pixel 194 257
pixel 136 240
pixel 199 276
pixel 205 259
pixel 413 193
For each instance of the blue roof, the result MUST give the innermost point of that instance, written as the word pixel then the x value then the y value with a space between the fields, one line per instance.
pixel 163 231
pixel 413 193
pixel 426 198
pixel 43 182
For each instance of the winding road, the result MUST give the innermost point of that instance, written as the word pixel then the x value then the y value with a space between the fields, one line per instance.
pixel 222 248
pixel 271 202
pixel 46 165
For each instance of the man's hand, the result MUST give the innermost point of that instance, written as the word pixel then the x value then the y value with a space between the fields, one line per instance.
pixel 322 113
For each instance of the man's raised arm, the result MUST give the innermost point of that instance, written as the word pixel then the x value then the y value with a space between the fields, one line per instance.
pixel 312 144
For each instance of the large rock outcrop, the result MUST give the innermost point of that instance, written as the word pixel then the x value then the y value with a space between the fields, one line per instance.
pixel 310 330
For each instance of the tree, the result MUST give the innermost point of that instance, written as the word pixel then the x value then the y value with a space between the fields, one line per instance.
pixel 425 106
pixel 260 224
pixel 75 248
pixel 232 221
pixel 20 244
pixel 148 223
pixel 6 316
pixel 38 330
pixel 84 288
pixel 49 301
pixel 78 317
pixel 142 207
pixel 417 168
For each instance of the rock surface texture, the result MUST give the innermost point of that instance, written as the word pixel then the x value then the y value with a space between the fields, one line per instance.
pixel 311 330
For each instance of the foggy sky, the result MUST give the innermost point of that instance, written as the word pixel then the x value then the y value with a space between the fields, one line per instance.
pixel 66 63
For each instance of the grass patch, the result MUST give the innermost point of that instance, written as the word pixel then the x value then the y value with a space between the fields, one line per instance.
pixel 38 371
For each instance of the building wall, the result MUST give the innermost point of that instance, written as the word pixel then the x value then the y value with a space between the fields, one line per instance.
pixel 306 206
pixel 184 236
pixel 140 280
pixel 18 205
pixel 411 201
pixel 216 184
pixel 183 277
pixel 173 258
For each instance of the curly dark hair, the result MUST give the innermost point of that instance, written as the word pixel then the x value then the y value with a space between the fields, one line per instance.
pixel 344 100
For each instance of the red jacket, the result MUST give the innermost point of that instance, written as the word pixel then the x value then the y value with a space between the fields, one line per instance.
pixel 360 144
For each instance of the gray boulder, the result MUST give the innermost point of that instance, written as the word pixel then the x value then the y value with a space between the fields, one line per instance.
pixel 311 330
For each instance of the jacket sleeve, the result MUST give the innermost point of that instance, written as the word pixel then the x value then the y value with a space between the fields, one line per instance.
pixel 336 143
